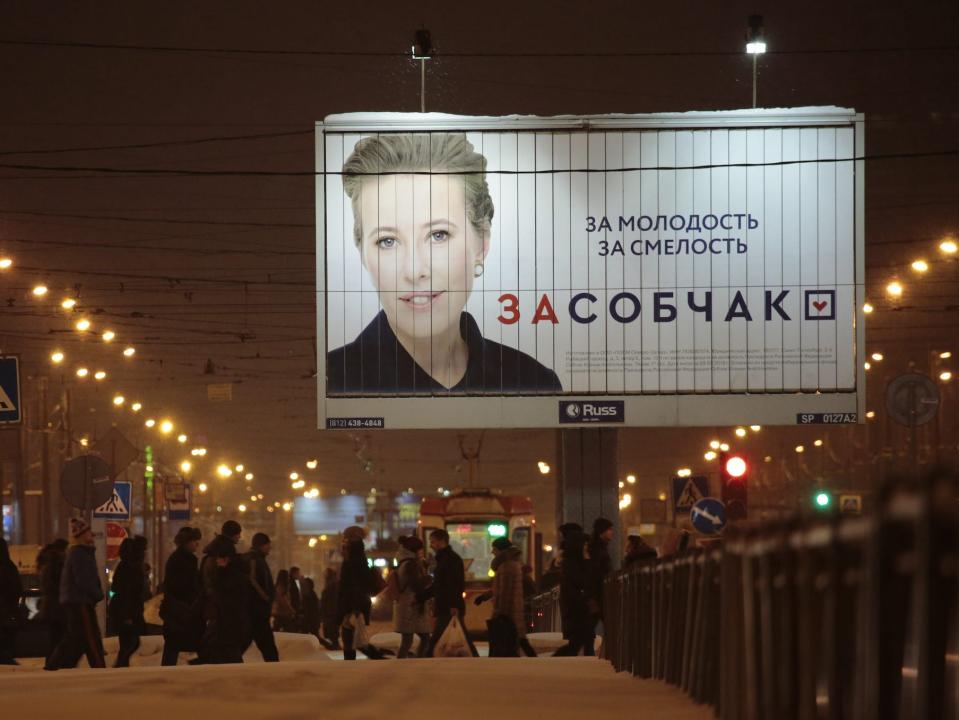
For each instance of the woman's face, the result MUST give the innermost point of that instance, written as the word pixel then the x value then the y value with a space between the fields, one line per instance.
pixel 420 250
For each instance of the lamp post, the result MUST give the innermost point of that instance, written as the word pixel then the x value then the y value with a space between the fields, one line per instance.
pixel 422 50
pixel 755 45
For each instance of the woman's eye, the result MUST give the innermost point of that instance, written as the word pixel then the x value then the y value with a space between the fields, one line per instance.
pixel 439 236
pixel 386 243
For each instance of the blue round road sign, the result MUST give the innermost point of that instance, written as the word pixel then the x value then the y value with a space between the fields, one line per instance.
pixel 709 516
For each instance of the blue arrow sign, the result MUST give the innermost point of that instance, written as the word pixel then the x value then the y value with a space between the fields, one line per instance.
pixel 708 516
pixel 10 412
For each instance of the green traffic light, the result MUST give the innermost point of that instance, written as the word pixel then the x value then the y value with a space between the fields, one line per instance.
pixel 823 499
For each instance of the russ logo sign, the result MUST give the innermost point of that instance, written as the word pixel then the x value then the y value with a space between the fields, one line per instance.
pixel 591 411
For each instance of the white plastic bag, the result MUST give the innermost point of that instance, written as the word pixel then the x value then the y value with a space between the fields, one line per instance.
pixel 452 642
pixel 361 635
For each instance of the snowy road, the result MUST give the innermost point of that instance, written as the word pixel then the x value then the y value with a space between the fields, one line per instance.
pixel 553 688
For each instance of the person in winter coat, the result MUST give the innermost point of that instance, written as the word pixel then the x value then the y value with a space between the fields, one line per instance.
pixel 125 609
pixel 50 567
pixel 80 591
pixel 357 586
pixel 449 585
pixel 507 590
pixel 261 597
pixel 328 612
pixel 577 621
pixel 311 608
pixel 599 567
pixel 229 535
pixel 637 552
pixel 295 598
pixel 228 632
pixel 283 614
pixel 11 590
pixel 409 615
pixel 180 609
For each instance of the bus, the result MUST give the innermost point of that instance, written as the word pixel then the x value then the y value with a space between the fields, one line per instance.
pixel 474 519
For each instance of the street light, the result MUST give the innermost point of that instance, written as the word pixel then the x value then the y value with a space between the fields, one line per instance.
pixel 186 466
pixel 945 376
pixel 294 475
pixel 202 487
pixel 948 247
pixel 631 479
pixel 800 449
pixel 711 455
pixel 755 45
pixel 224 471
pixel 543 467
pixel 867 308
pixel 100 375
pixel 136 407
pixel 740 432
pixel 150 422
pixel 118 400
pixel 68 304
pixel 920 266
pixel 249 476
pixel 817 442
pixel 755 428
pixel 129 352
pixel 877 356
pixel 82 325
pixel 311 464
pixel 945 355
pixel 40 290
pixel 181 438
pixel 82 372
pixel 166 427
pixel 6 263
pixel 57 357
pixel 894 289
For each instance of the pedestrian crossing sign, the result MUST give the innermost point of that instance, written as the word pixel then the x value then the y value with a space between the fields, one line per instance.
pixel 687 491
pixel 10 390
pixel 118 506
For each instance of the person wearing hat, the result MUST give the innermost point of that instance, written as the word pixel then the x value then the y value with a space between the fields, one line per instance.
pixel 179 610
pixel 261 596
pixel 125 608
pixel 408 578
pixel 598 569
pixel 80 591
pixel 228 630
pixel 578 625
pixel 507 594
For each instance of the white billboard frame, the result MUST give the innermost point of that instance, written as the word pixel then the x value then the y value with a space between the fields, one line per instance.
pixel 542 411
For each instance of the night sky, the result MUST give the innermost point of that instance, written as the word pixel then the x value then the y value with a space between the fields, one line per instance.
pixel 164 232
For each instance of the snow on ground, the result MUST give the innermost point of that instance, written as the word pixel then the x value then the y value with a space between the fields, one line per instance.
pixel 464 688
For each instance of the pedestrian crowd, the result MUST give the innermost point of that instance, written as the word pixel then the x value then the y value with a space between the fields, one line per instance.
pixel 219 604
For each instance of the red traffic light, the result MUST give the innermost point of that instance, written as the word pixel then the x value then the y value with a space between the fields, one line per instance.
pixel 735 466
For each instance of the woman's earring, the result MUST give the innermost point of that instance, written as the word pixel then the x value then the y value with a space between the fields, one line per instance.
pixel 478 269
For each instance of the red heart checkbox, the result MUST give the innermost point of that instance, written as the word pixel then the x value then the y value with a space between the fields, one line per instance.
pixel 820 304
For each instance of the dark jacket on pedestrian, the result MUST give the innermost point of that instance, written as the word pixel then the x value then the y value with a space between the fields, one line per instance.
pixel 328 611
pixel 599 567
pixel 572 590
pixel 357 584
pixel 11 587
pixel 219 544
pixel 180 611
pixel 80 580
pixel 311 608
pixel 230 630
pixel 449 584
pixel 262 591
pixel 507 588
pixel 50 565
pixel 126 601
pixel 637 554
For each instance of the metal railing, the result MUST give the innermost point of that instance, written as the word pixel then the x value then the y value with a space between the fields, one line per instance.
pixel 854 618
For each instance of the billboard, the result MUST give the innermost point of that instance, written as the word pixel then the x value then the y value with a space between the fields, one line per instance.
pixel 692 269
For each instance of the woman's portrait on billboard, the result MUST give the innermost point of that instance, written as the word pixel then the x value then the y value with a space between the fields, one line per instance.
pixel 422 215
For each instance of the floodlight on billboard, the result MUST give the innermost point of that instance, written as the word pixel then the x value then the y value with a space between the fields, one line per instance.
pixel 691 269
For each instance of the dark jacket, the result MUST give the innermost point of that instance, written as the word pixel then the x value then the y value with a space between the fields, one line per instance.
pixel 181 579
pixel 642 554
pixel 449 584
pixel 328 596
pixel 231 592
pixel 51 568
pixel 572 596
pixel 294 594
pixel 311 609
pixel 599 568
pixel 11 590
pixel 219 544
pixel 262 591
pixel 356 587
pixel 126 603
pixel 80 581
pixel 376 362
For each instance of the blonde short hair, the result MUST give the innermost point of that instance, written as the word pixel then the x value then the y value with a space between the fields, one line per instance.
pixel 420 152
